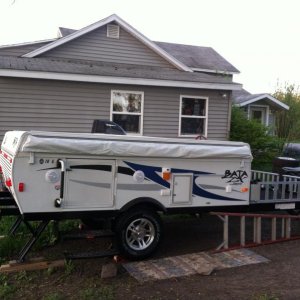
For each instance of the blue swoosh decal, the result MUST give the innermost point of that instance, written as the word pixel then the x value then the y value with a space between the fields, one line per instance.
pixel 151 173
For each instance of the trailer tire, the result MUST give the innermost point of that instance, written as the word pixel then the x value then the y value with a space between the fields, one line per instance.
pixel 139 233
pixel 280 162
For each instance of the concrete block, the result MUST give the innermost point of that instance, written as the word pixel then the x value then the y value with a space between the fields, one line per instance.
pixel 109 270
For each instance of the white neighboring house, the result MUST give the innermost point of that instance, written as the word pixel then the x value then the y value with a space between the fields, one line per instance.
pixel 261 107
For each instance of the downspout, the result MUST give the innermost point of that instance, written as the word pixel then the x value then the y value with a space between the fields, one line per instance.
pixel 229 114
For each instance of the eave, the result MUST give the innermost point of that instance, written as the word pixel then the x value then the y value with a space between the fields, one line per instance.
pixel 117 80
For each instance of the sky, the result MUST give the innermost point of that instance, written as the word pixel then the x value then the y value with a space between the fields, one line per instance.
pixel 261 38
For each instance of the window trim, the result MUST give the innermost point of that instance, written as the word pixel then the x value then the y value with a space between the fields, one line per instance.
pixel 267 112
pixel 193 117
pixel 129 113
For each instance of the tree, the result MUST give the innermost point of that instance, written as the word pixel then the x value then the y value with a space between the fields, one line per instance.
pixel 288 121
pixel 264 147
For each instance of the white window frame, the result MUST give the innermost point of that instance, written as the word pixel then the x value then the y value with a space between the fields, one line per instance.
pixel 267 111
pixel 193 117
pixel 141 114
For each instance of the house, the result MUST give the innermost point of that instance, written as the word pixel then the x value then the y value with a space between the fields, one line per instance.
pixel 261 107
pixel 109 70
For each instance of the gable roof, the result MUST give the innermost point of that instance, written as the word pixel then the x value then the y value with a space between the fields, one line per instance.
pixel 203 59
pixel 198 58
pixel 125 26
pixel 195 58
pixel 243 98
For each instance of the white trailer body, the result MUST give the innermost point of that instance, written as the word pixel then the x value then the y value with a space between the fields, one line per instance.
pixel 129 179
pixel 106 173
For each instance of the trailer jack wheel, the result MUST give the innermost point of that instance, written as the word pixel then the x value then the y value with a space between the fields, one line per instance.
pixel 139 233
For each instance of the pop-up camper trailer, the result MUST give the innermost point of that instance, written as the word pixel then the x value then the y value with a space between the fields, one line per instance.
pixel 130 179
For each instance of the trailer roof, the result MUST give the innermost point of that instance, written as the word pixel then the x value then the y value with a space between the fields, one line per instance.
pixel 124 145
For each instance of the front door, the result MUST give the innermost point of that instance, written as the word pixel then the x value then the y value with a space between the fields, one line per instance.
pixel 89 183
pixel 259 114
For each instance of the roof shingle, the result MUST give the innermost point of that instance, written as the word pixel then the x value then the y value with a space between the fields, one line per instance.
pixel 107 69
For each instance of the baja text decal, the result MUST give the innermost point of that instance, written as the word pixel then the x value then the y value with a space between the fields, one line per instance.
pixel 235 177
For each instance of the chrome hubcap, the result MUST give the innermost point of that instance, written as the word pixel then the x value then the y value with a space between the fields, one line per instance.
pixel 140 234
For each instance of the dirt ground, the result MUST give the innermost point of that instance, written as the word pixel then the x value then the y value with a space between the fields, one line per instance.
pixel 277 279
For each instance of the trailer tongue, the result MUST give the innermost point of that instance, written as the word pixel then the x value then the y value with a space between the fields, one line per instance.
pixel 53 176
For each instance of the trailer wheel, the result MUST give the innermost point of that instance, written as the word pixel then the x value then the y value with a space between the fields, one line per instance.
pixel 138 233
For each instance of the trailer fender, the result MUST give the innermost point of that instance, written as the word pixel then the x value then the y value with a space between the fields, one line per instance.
pixel 146 202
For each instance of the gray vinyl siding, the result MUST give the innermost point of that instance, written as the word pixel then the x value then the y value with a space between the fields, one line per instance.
pixel 20 50
pixel 30 104
pixel 96 46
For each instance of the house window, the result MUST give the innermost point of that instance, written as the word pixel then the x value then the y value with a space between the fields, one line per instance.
pixel 127 110
pixel 193 116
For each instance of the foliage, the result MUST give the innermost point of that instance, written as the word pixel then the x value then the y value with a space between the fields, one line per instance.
pixel 105 293
pixel 264 147
pixel 288 121
pixel 10 245
pixel 7 290
pixel 69 267
pixel 265 297
pixel 54 296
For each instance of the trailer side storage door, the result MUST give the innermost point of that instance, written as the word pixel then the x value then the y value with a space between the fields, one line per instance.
pixel 182 189
pixel 89 183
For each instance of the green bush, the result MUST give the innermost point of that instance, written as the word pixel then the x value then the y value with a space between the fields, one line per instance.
pixel 288 121
pixel 264 147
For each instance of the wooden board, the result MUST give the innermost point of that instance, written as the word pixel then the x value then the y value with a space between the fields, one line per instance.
pixel 203 263
pixel 31 265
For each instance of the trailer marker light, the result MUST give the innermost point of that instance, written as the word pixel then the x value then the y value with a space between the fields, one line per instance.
pixel 244 190
pixel 8 183
pixel 21 187
pixel 166 174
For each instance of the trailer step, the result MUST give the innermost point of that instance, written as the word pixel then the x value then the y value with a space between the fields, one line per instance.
pixel 94 254
pixel 5 194
pixel 6 201
pixel 9 211
pixel 91 234
pixel 8 205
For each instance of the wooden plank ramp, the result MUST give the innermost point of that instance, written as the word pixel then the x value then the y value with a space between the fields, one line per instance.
pixel 33 264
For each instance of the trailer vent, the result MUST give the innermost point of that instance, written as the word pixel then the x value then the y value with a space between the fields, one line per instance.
pixel 113 31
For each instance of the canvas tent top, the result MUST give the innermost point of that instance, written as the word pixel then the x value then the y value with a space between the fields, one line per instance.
pixel 126 146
